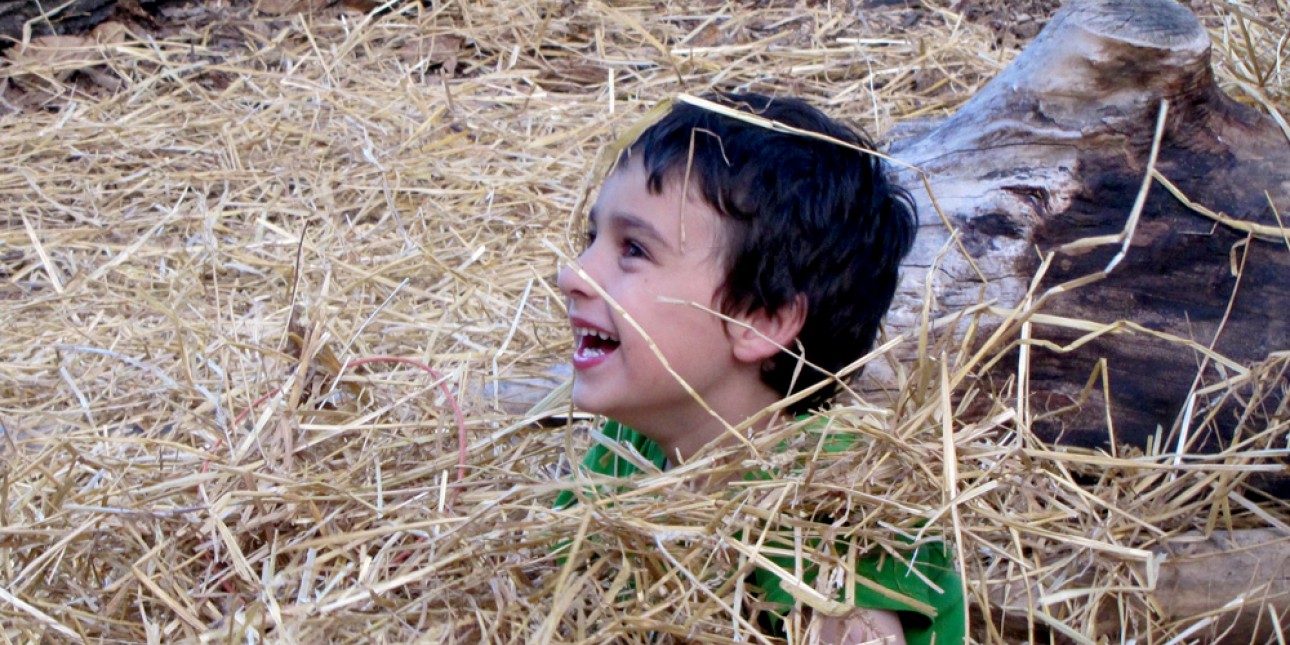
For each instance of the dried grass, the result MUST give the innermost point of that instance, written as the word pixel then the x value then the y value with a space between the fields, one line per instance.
pixel 203 231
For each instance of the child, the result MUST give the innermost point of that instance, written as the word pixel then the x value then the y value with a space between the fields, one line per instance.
pixel 716 244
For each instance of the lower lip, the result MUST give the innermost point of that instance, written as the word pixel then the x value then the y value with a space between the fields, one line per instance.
pixel 587 360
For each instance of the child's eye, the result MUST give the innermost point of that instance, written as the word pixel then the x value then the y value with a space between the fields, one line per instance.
pixel 633 249
pixel 589 239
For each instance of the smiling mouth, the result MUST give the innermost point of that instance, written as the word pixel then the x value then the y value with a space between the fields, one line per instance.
pixel 592 344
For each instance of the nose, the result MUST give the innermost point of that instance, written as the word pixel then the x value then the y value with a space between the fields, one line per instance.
pixel 571 282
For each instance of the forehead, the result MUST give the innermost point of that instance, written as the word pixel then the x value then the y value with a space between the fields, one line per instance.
pixel 677 213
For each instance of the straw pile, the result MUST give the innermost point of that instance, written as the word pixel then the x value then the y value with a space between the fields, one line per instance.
pixel 250 263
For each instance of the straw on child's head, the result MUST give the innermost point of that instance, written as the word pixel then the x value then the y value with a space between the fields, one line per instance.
pixel 810 218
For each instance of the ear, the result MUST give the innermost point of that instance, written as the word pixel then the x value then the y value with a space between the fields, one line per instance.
pixel 760 335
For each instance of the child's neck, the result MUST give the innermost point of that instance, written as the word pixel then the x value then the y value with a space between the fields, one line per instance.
pixel 683 433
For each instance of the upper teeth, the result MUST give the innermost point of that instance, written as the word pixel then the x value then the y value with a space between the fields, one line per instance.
pixel 587 331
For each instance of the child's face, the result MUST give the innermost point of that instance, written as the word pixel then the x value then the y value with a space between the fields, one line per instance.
pixel 644 250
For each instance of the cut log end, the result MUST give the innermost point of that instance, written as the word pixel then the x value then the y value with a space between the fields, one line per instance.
pixel 1053 151
pixel 1162 25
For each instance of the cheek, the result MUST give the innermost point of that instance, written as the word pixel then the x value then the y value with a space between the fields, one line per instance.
pixel 685 333
pixel 677 329
pixel 637 298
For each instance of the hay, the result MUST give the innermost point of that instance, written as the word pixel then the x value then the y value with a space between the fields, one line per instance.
pixel 204 232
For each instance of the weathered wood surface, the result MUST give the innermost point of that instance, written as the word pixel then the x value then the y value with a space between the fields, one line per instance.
pixel 32 18
pixel 1225 587
pixel 1054 150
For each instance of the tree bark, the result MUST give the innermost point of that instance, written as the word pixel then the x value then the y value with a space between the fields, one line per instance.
pixel 1054 150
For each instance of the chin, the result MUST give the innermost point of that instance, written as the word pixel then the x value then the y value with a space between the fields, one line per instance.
pixel 586 402
pixel 600 408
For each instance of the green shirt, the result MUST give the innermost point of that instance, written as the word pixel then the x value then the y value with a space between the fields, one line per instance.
pixel 933 561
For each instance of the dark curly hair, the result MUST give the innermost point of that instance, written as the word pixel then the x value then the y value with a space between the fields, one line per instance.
pixel 805 218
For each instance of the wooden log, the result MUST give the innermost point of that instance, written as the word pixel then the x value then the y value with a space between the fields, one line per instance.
pixel 1054 150
pixel 1222 588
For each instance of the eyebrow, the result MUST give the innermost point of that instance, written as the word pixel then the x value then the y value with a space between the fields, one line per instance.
pixel 630 222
